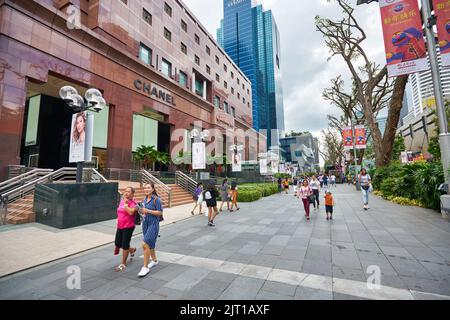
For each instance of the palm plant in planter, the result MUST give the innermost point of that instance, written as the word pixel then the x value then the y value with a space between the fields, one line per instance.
pixel 149 156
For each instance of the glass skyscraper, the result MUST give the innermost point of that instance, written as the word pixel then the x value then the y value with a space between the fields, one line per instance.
pixel 250 37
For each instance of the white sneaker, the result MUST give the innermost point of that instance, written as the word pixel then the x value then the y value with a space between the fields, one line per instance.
pixel 152 264
pixel 144 271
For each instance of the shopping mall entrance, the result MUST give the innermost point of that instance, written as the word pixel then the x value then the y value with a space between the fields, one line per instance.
pixel 46 128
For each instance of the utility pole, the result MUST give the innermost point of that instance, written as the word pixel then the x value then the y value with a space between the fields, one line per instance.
pixel 444 136
pixel 354 155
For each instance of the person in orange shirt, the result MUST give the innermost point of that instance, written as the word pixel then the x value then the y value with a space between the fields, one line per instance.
pixel 329 203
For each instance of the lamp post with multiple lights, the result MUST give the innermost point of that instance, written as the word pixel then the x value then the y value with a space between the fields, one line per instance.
pixel 92 101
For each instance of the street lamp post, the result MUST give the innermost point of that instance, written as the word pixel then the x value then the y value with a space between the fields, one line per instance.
pixel 92 101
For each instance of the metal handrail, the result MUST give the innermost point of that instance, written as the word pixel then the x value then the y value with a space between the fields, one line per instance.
pixel 147 177
pixel 63 174
pixel 23 177
pixel 185 182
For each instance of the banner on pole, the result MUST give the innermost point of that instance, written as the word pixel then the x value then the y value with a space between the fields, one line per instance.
pixel 442 11
pixel 360 137
pixel 198 155
pixel 77 147
pixel 347 138
pixel 403 37
pixel 263 166
pixel 237 161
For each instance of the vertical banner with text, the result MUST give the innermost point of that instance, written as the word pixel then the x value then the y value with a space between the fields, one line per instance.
pixel 347 138
pixel 360 137
pixel 442 11
pixel 403 37
pixel 198 156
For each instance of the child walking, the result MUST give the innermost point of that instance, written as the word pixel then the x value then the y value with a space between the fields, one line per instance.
pixel 234 195
pixel 329 203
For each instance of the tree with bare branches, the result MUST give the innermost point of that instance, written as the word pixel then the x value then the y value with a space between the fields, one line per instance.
pixel 373 88
pixel 331 147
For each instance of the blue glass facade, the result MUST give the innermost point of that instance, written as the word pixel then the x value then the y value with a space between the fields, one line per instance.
pixel 250 37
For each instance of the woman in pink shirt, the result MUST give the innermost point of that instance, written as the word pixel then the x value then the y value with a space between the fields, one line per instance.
pixel 304 193
pixel 125 226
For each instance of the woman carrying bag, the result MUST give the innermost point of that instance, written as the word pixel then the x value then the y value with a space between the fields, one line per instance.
pixel 126 213
pixel 366 187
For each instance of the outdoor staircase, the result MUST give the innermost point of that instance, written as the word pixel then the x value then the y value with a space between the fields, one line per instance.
pixel 180 196
pixel 21 211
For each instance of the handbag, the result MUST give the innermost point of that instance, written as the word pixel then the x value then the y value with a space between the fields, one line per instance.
pixel 366 187
pixel 137 217
pixel 312 198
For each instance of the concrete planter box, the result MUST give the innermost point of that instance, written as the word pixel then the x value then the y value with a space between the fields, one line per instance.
pixel 72 205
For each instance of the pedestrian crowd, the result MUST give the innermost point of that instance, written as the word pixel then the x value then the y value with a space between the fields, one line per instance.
pixel 149 211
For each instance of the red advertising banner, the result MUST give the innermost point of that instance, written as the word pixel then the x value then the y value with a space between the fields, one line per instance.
pixel 347 138
pixel 360 137
pixel 442 11
pixel 403 37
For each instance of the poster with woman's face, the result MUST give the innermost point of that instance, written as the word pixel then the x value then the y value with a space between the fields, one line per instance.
pixel 77 137
pixel 237 162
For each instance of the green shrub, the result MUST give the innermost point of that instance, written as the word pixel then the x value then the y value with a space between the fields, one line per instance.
pixel 383 173
pixel 248 195
pixel 427 181
pixel 416 182
pixel 389 186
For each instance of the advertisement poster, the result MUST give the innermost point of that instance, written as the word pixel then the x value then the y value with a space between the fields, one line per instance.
pixel 403 37
pixel 442 11
pixel 78 138
pixel 236 166
pixel 347 138
pixel 360 137
pixel 263 166
pixel 198 155
pixel 273 165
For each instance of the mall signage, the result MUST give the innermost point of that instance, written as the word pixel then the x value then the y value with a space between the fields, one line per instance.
pixel 154 92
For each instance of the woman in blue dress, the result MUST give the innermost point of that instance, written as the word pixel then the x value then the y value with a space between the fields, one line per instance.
pixel 152 211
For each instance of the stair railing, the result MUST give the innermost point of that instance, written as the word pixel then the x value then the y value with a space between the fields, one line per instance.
pixel 185 182
pixel 67 175
pixel 163 189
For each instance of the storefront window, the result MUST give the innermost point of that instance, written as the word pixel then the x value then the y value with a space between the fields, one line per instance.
pixel 101 128
pixel 145 132
pixel 32 121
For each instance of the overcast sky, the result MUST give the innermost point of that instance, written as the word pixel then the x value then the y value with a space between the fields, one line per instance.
pixel 304 65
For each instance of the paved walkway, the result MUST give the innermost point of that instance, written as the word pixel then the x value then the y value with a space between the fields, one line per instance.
pixel 268 251
pixel 30 245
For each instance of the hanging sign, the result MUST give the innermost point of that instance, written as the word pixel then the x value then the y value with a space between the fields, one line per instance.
pixel 442 11
pixel 403 37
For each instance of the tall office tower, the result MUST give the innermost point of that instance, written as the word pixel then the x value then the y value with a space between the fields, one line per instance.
pixel 422 87
pixel 250 37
